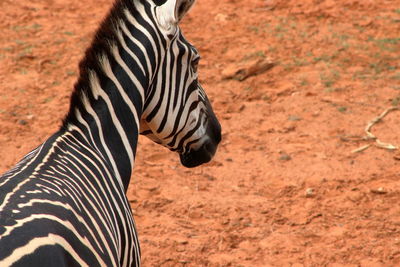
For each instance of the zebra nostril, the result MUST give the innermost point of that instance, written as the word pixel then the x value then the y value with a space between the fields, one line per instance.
pixel 214 130
pixel 217 135
pixel 210 147
pixel 204 154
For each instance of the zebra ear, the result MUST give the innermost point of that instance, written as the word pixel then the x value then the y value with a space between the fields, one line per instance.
pixel 182 7
pixel 170 13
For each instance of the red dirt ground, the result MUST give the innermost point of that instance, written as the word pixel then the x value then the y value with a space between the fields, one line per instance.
pixel 286 132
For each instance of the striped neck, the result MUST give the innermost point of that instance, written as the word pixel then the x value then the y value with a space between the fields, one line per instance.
pixel 109 96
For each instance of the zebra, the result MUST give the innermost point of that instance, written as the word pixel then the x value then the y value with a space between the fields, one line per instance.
pixel 64 203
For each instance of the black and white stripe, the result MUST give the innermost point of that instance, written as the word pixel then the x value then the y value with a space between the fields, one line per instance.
pixel 64 203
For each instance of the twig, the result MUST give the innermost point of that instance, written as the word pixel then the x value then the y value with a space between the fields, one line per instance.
pixel 376 120
pixel 371 136
pixel 360 149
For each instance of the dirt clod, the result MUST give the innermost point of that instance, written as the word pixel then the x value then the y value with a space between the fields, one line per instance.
pixel 247 69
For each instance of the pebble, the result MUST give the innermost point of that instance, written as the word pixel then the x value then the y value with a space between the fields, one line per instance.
pixel 379 190
pixel 285 157
pixel 310 192
pixel 22 122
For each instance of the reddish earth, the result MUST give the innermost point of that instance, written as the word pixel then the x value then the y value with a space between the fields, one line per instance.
pixel 285 188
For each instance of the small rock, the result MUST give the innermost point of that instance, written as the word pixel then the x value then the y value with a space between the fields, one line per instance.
pixel 22 122
pixel 183 242
pixel 285 157
pixel 294 118
pixel 221 17
pixel 379 191
pixel 396 156
pixel 310 192
pixel 30 116
pixel 209 177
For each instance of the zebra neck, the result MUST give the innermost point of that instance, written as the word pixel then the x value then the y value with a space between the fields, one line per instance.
pixel 111 129
pixel 109 97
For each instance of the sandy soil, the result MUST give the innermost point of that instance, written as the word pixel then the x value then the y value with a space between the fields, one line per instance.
pixel 285 188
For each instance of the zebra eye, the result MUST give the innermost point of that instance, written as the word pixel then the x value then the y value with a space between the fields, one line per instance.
pixel 195 64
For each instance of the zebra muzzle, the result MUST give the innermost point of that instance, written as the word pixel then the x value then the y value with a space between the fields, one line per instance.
pixel 207 150
pixel 197 157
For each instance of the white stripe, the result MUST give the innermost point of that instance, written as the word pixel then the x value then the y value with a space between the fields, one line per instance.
pixel 90 110
pixel 126 213
pixel 133 78
pixel 98 91
pixel 21 166
pixel 82 121
pixel 125 46
pixel 133 21
pixel 43 241
pixel 95 194
pixel 71 193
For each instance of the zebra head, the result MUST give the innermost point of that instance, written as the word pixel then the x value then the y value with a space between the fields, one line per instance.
pixel 177 112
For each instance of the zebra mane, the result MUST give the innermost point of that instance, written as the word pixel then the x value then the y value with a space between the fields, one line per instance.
pixel 104 38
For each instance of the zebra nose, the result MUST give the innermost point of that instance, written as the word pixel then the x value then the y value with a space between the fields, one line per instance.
pixel 207 150
pixel 200 156
pixel 216 131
